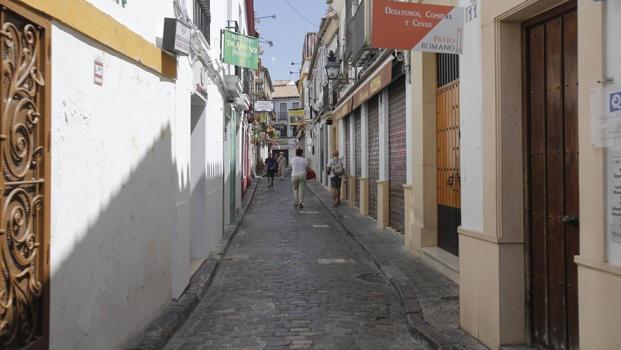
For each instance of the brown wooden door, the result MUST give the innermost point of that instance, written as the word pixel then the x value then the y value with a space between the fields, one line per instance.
pixel 24 218
pixel 397 154
pixel 552 162
pixel 373 155
pixel 358 150
pixel 448 152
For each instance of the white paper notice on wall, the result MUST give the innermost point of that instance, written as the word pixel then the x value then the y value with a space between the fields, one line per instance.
pixel 613 207
pixel 606 117
pixel 98 71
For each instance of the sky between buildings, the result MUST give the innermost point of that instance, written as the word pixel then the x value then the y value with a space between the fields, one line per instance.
pixel 287 32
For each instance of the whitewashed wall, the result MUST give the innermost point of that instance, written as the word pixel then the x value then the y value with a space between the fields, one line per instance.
pixel 471 106
pixel 116 166
pixel 145 18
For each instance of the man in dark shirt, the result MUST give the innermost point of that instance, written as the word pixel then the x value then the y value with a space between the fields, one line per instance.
pixel 272 167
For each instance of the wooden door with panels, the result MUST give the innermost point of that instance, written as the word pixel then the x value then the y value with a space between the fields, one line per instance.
pixel 25 187
pixel 448 152
pixel 551 162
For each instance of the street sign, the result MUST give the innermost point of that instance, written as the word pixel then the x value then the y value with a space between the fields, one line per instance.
pixel 98 73
pixel 176 37
pixel 240 50
pixel 614 102
pixel 296 116
pixel 422 27
pixel 264 106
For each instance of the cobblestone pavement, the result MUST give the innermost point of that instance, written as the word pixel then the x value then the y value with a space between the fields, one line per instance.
pixel 293 279
pixel 432 298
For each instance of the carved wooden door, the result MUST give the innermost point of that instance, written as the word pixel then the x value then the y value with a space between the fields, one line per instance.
pixel 24 204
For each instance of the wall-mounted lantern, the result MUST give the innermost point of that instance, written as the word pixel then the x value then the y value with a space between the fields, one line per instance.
pixel 332 68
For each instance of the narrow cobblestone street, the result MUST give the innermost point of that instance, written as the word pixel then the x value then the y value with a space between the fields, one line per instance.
pixel 293 279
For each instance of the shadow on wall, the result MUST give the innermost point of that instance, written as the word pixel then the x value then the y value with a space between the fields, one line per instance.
pixel 207 211
pixel 118 275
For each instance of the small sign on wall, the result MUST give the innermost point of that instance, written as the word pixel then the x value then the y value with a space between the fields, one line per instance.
pixel 177 36
pixel 98 71
pixel 613 207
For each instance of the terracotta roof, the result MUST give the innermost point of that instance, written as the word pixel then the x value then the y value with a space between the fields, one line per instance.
pixel 288 89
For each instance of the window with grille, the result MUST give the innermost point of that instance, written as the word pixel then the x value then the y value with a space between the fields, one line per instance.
pixel 448 68
pixel 202 17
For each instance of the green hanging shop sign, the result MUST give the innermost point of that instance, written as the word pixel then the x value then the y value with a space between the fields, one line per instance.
pixel 240 50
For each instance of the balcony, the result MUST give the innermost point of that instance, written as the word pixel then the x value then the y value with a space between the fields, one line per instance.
pixel 358 36
pixel 242 102
pixel 283 116
pixel 233 85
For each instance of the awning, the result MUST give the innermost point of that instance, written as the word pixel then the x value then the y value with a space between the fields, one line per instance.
pixel 371 86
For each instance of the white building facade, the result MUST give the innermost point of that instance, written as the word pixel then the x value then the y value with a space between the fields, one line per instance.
pixel 132 181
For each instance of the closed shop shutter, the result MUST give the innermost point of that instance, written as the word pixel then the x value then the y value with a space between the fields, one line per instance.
pixel 397 153
pixel 373 155
pixel 326 153
pixel 347 151
pixel 358 149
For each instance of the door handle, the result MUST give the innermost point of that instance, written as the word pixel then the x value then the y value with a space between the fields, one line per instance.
pixel 570 220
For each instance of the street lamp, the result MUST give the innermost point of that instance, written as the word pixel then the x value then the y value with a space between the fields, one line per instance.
pixel 332 67
pixel 262 17
pixel 268 42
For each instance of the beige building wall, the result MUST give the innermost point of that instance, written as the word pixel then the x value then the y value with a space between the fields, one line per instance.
pixel 492 263
pixel 421 196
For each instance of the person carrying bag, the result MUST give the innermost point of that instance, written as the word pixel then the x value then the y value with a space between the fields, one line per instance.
pixel 336 171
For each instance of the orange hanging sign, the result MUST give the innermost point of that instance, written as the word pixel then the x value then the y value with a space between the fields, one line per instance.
pixel 422 27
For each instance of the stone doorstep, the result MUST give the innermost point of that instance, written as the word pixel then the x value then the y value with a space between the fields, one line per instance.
pixel 155 334
pixel 442 261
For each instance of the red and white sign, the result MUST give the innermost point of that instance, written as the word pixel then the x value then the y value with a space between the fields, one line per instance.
pixel 422 27
pixel 98 71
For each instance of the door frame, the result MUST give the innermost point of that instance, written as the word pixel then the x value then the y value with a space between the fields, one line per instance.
pixel 45 24
pixel 551 13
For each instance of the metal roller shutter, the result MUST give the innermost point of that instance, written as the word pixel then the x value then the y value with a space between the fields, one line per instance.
pixel 347 153
pixel 358 149
pixel 326 153
pixel 373 155
pixel 397 153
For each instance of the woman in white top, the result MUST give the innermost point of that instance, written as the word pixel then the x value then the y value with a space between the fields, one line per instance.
pixel 299 166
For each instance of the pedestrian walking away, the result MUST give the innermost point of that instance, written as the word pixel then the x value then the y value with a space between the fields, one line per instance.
pixel 299 166
pixel 282 165
pixel 272 166
pixel 336 172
